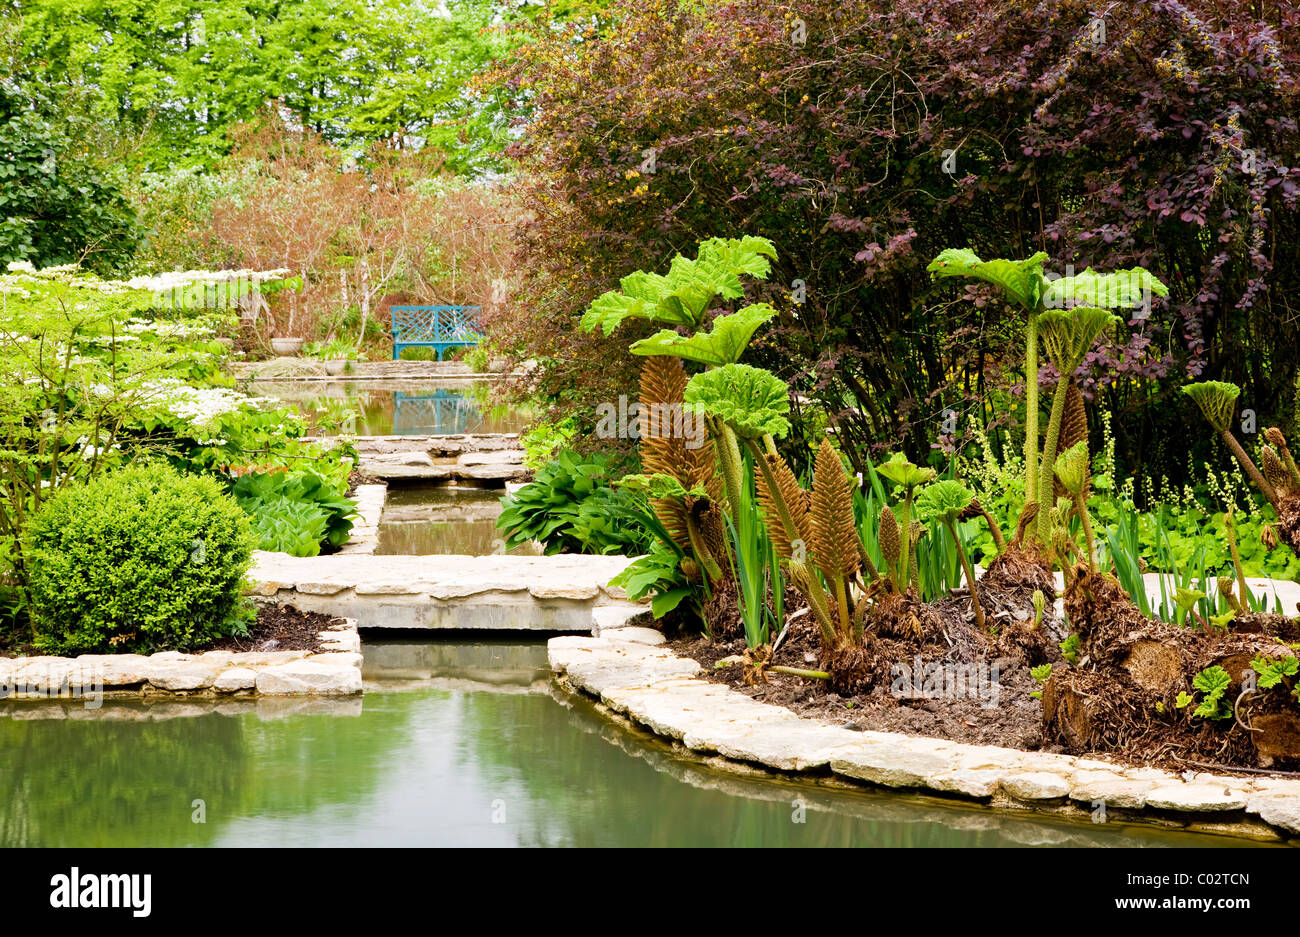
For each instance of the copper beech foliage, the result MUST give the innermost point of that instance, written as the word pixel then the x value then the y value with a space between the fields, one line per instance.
pixel 863 138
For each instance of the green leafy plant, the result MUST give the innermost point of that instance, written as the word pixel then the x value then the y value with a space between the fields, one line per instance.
pixel 1070 648
pixel 686 292
pixel 1213 682
pixel 1054 308
pixel 897 540
pixel 945 501
pixel 143 559
pixel 296 512
pixel 1273 671
pixel 572 506
pixel 1041 673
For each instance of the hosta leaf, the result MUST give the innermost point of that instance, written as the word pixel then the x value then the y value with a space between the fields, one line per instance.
pixel 724 345
pixel 752 401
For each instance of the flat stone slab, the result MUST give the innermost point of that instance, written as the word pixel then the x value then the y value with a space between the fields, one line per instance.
pixel 489 593
pixel 334 670
pixel 654 687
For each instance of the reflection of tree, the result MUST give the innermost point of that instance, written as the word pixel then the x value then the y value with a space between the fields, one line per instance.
pixel 106 781
pixel 112 782
pixel 590 782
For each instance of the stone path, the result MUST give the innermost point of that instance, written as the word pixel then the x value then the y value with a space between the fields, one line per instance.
pixel 565 593
pixel 660 690
pixel 482 458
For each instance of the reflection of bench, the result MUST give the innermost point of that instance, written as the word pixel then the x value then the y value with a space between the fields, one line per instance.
pixel 437 414
pixel 436 327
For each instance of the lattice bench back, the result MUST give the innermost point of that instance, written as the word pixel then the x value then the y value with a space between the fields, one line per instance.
pixel 436 327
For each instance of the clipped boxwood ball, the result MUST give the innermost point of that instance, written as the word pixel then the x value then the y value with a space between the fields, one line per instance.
pixel 143 560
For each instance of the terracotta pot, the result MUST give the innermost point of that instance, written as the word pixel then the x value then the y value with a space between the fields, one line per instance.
pixel 286 346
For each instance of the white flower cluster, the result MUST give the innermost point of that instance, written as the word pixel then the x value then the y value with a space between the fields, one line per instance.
pixel 178 279
pixel 199 406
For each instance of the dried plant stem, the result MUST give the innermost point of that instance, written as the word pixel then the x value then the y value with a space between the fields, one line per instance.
pixel 970 576
pixel 1248 465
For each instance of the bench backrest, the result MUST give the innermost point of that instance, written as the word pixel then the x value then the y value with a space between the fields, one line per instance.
pixel 417 324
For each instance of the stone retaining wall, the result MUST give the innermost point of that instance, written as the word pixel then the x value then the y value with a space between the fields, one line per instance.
pixel 656 688
pixel 335 670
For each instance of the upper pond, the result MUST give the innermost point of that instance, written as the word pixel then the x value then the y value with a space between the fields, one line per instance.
pixel 400 408
pixel 452 744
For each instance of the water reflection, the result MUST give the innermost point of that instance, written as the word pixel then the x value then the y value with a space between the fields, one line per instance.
pixel 453 744
pixel 384 408
pixel 422 519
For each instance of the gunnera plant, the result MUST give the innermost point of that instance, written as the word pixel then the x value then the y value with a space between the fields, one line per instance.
pixel 945 501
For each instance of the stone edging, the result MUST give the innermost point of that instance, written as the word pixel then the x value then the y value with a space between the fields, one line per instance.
pixel 565 593
pixel 656 688
pixel 370 501
pixel 335 670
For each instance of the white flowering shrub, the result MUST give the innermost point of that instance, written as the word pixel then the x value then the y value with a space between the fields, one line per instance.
pixel 97 374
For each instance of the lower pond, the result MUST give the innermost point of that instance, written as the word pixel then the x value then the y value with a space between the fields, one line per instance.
pixel 452 744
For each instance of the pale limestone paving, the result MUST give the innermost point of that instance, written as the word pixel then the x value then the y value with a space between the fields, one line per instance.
pixel 365 529
pixel 495 458
pixel 652 686
pixel 334 670
pixel 563 593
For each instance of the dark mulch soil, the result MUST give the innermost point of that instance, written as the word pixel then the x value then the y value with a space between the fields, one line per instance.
pixel 357 478
pixel 1014 720
pixel 279 628
pixel 906 633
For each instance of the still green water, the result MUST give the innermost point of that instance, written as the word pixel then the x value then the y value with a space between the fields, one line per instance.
pixel 419 520
pixel 383 408
pixel 452 744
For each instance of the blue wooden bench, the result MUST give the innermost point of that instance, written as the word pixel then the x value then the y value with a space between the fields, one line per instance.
pixel 436 327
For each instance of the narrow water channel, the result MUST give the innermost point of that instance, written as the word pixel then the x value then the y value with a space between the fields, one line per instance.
pixel 452 744
pixel 420 520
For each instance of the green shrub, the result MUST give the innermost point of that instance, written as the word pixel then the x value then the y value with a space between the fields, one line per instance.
pixel 143 559
pixel 296 512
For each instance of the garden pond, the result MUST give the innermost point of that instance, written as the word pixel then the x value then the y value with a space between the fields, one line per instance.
pixel 452 744
pixel 397 408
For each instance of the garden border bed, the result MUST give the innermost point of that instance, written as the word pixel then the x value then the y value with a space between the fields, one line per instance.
pixel 659 690
pixel 335 670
